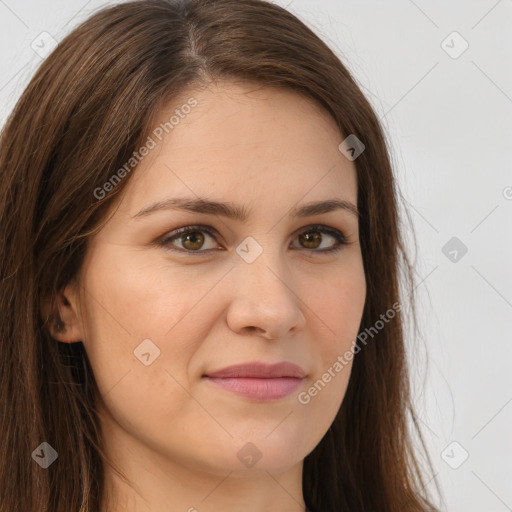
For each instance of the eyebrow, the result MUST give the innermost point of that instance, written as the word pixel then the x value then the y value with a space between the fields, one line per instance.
pixel 240 213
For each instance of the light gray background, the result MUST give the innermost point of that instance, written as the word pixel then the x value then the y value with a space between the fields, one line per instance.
pixel 449 125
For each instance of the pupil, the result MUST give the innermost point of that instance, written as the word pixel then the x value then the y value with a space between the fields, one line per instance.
pixel 194 239
pixel 311 238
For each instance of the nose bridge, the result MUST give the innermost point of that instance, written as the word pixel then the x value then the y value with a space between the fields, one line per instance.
pixel 262 295
pixel 262 262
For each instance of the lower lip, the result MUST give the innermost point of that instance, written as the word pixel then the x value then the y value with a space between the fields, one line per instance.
pixel 258 389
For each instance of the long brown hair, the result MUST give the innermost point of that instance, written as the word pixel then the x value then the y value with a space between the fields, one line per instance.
pixel 82 116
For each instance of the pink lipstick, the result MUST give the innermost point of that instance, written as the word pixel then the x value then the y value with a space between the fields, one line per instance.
pixel 259 381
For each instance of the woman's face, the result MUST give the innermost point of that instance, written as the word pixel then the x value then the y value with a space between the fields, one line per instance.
pixel 160 315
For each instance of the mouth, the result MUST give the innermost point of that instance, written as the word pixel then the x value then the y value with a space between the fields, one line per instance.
pixel 259 381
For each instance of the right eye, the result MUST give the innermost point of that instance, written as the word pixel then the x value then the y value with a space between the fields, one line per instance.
pixel 191 238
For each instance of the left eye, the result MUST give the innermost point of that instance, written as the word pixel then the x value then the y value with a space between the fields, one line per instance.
pixel 192 239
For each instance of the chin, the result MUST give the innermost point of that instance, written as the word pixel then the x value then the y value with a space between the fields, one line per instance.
pixel 262 452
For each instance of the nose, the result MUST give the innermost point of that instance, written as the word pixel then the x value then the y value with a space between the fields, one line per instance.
pixel 263 300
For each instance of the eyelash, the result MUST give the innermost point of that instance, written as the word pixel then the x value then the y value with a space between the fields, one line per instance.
pixel 338 235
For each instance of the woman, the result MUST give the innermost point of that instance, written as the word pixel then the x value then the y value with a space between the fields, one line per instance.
pixel 200 254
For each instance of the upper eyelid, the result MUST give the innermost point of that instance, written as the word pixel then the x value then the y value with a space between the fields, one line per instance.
pixel 200 227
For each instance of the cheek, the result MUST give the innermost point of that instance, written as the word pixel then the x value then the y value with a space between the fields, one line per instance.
pixel 338 305
pixel 128 304
pixel 151 315
pixel 139 300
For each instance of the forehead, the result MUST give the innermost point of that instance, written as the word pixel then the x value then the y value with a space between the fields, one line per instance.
pixel 245 143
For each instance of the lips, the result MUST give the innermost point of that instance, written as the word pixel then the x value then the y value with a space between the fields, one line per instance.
pixel 260 371
pixel 259 381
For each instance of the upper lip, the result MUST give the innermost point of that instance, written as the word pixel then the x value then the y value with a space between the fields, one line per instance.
pixel 260 370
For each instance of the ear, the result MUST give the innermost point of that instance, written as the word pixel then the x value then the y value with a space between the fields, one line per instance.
pixel 62 319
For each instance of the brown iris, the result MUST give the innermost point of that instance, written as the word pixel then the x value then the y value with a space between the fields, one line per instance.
pixel 196 238
pixel 310 237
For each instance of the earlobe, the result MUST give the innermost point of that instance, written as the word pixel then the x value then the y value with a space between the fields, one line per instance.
pixel 62 320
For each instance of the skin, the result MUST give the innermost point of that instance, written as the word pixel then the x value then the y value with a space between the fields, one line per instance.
pixel 173 434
